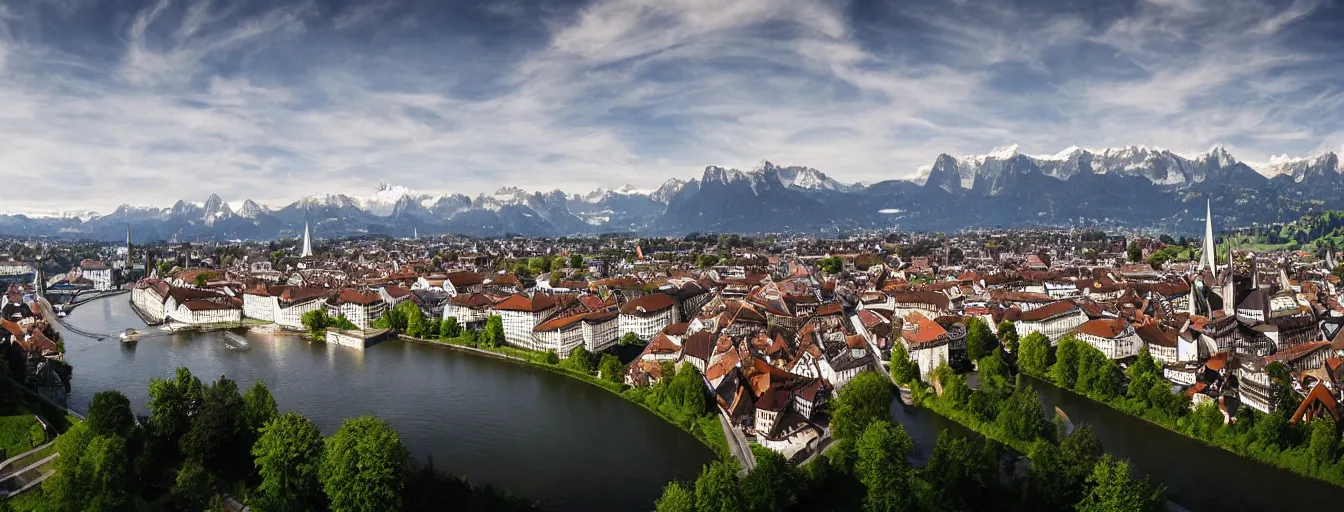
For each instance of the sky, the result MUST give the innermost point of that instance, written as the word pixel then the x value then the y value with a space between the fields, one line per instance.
pixel 104 102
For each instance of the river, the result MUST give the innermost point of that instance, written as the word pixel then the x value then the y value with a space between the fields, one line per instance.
pixel 536 433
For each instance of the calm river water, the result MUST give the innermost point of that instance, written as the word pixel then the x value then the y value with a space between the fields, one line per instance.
pixel 542 435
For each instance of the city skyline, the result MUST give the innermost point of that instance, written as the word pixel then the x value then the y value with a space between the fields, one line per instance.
pixel 151 102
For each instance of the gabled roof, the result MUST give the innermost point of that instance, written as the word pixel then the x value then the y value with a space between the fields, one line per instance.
pixel 1106 328
pixel 464 278
pixel 1318 402
pixel 920 330
pixel 648 305
pixel 519 302
pixel 1049 311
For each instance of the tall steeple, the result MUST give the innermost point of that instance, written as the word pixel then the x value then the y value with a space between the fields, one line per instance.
pixel 307 242
pixel 1208 256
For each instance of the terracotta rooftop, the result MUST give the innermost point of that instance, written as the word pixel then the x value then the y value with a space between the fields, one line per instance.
pixel 651 304
pixel 1106 328
pixel 519 302
pixel 1049 311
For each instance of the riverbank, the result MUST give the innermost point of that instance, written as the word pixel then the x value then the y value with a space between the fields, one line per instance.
pixel 706 428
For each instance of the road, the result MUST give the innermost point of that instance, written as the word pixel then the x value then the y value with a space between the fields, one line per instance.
pixel 738 446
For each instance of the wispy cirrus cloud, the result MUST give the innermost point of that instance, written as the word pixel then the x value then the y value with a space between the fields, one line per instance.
pixel 276 100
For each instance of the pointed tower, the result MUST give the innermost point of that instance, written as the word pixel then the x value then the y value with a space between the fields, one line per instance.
pixel 307 242
pixel 1208 257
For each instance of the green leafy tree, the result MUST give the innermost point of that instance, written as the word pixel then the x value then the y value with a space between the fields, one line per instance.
pixel 902 368
pixel 342 323
pixel 493 333
pixel 200 281
pixel 831 265
pixel 110 415
pixel 92 472
pixel 218 437
pixel 1134 252
pixel 1057 477
pixel 172 403
pixel 865 400
pixel 1321 441
pixel 772 485
pixel 1007 334
pixel 258 407
pixel 1067 357
pixel 450 329
pixel 611 368
pixel 316 321
pixel 413 319
pixel 552 358
pixel 979 338
pixel 706 260
pixel 883 469
pixel 1034 355
pixel 1022 416
pixel 716 489
pixel 994 374
pixel 364 467
pixel 194 486
pixel 1112 489
pixel 677 497
pixel 962 473
pixel 581 360
pixel 288 458
pixel 576 261
pixel 631 338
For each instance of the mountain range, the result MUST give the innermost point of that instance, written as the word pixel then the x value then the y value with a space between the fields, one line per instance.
pixel 1135 187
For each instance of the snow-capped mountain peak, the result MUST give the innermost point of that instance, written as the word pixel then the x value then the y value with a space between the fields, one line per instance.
pixel 250 209
pixel 383 201
pixel 668 189
pixel 1003 153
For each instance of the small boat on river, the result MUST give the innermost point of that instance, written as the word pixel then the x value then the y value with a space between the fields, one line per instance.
pixel 235 340
pixel 130 336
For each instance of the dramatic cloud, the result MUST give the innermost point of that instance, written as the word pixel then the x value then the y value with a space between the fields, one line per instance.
pixel 150 102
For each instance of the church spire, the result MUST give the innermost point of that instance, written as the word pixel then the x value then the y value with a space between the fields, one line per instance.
pixel 307 242
pixel 1208 257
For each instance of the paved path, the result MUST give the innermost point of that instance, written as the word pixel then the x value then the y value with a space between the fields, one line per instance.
pixel 738 445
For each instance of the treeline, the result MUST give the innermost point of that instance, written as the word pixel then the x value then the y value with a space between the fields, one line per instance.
pixel 205 445
pixel 868 469
pixel 1313 449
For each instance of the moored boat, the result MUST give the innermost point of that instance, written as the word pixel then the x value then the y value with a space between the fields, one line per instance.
pixel 130 336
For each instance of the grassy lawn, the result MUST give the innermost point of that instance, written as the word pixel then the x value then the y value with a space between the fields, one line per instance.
pixel 16 432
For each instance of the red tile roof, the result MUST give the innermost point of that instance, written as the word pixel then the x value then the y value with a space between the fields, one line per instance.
pixel 519 302
pixel 651 304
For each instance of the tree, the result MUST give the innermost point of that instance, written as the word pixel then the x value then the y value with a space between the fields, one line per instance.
pixel 706 260
pixel 631 338
pixel 866 399
pixel 364 466
pixel 961 472
pixel 1022 416
pixel 172 403
pixel 576 261
pixel 831 265
pixel 449 329
pixel 611 368
pixel 772 484
pixel 258 407
pixel 1067 355
pixel 1134 252
pixel 902 368
pixel 110 415
pixel 581 360
pixel 1034 355
pixel 552 358
pixel 218 437
pixel 1007 334
pixel 979 338
pixel 1112 489
pixel 200 280
pixel 716 488
pixel 288 458
pixel 1166 239
pixel 194 486
pixel 493 333
pixel 90 474
pixel 882 467
pixel 994 374
pixel 677 497
pixel 1321 442
pixel 316 321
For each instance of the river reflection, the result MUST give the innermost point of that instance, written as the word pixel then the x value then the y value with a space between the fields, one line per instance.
pixel 542 435
pixel 1198 476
